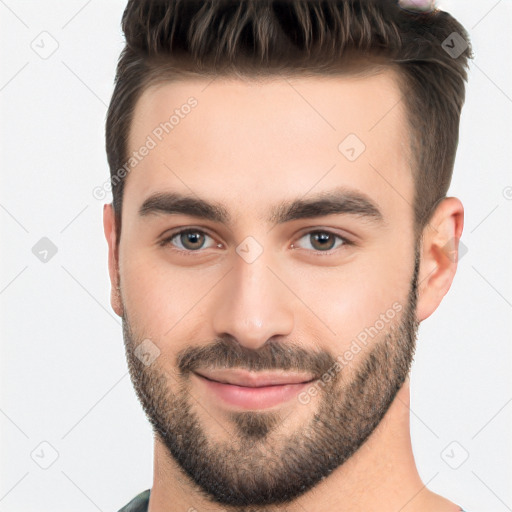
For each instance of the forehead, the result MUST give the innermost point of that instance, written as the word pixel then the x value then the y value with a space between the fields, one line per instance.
pixel 244 142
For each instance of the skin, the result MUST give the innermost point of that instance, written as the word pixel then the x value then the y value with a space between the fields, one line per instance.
pixel 249 145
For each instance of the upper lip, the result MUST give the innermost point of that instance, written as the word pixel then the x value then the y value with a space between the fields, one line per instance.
pixel 255 379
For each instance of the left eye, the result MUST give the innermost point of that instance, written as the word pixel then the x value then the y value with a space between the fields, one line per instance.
pixel 324 241
pixel 192 240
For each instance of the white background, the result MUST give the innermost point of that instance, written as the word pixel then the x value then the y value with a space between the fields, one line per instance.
pixel 64 379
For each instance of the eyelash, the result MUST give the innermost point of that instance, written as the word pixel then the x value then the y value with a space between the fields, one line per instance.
pixel 346 242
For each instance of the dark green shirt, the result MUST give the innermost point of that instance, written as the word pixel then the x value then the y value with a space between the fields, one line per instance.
pixel 141 501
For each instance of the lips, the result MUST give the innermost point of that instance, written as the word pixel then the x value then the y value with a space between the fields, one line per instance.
pixel 255 379
pixel 246 390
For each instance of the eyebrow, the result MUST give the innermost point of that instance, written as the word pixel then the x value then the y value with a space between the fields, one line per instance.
pixel 332 202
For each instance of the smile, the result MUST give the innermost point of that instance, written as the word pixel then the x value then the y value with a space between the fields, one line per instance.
pixel 247 390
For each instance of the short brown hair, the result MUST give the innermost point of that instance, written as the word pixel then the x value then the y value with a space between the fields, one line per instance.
pixel 173 39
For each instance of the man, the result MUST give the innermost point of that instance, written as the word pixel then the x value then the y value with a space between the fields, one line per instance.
pixel 279 229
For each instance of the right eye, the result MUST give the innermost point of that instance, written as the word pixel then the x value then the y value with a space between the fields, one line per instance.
pixel 188 240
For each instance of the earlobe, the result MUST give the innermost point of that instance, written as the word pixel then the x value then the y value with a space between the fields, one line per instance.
pixel 439 255
pixel 109 228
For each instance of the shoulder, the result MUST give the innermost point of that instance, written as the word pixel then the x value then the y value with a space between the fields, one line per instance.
pixel 139 503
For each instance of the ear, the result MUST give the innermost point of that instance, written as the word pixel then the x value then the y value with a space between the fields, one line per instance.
pixel 109 228
pixel 439 255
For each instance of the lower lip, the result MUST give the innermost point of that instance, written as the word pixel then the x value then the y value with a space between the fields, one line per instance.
pixel 253 398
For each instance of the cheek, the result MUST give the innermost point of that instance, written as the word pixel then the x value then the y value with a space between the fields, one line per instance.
pixel 348 300
pixel 163 300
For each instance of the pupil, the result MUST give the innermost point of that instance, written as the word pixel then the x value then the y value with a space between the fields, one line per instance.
pixel 190 237
pixel 322 237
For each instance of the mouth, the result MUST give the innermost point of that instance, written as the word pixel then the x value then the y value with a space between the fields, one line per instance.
pixel 252 390
pixel 255 379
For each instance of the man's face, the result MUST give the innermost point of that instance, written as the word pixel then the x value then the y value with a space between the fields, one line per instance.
pixel 265 287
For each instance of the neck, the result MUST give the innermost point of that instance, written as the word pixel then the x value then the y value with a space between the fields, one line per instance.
pixel 381 475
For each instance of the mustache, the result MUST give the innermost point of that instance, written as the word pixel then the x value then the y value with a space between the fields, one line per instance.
pixel 228 353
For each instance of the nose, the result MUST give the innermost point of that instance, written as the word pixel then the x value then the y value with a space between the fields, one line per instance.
pixel 253 304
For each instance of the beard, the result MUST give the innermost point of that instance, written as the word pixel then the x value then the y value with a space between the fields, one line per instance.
pixel 252 470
